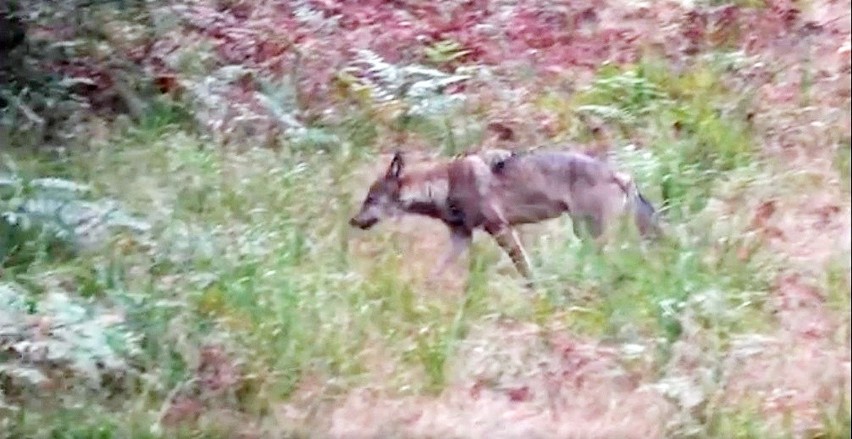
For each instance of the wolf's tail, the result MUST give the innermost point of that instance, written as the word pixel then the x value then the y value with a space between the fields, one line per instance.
pixel 644 214
pixel 646 217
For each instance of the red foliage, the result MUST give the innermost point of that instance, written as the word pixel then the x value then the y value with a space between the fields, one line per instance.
pixel 183 410
pixel 322 36
pixel 519 394
pixel 216 372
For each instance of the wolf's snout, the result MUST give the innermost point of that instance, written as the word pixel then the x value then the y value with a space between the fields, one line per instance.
pixel 362 223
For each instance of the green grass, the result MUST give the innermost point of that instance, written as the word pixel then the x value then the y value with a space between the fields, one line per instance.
pixel 692 116
pixel 690 147
pixel 256 256
pixel 256 248
pixel 843 162
pixel 252 251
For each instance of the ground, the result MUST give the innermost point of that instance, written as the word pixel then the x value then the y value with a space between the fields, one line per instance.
pixel 256 311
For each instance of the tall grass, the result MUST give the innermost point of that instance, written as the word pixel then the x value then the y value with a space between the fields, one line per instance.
pixel 252 251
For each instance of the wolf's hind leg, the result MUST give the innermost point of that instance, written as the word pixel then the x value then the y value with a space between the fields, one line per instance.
pixel 586 227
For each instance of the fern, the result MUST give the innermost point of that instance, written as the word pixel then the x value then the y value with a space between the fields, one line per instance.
pixel 445 51
pixel 50 211
pixel 279 99
pixel 420 88
pixel 59 337
pixel 608 112
pixel 626 96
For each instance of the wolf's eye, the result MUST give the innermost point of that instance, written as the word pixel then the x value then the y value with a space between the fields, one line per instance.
pixel 370 200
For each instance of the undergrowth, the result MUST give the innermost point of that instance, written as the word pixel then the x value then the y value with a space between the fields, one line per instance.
pixel 160 266
pixel 251 252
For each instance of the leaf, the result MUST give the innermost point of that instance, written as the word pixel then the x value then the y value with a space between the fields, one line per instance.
pixel 61 332
pixel 55 209
pixel 607 112
pixel 421 89
pixel 29 375
pixel 682 389
pixel 445 51
pixel 59 184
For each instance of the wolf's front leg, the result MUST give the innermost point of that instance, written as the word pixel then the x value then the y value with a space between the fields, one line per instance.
pixel 507 238
pixel 460 240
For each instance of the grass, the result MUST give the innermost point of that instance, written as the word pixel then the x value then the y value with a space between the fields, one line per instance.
pixel 251 258
pixel 252 251
pixel 682 167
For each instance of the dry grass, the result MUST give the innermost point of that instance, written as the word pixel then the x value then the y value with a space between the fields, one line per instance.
pixel 264 315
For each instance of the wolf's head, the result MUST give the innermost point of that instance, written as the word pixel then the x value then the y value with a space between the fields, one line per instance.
pixel 383 198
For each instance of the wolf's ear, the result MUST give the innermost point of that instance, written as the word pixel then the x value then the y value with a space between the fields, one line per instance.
pixel 396 165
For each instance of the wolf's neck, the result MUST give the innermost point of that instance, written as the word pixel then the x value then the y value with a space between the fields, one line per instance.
pixel 425 192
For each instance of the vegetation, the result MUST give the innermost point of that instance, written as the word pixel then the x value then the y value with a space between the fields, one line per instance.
pixel 176 180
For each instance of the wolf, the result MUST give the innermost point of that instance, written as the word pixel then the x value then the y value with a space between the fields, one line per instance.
pixel 497 190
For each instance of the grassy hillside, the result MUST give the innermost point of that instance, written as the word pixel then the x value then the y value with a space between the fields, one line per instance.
pixel 176 258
